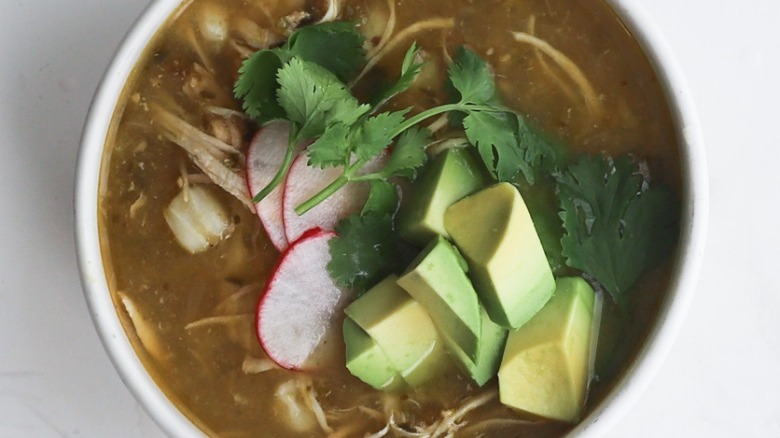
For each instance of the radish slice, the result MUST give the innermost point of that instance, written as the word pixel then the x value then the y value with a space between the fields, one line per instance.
pixel 265 155
pixel 299 316
pixel 304 181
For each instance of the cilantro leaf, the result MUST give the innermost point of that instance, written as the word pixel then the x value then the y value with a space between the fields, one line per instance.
pixel 382 198
pixel 314 98
pixel 616 224
pixel 471 77
pixel 376 133
pixel 508 143
pixel 256 86
pixel 331 149
pixel 336 46
pixel 366 250
pixel 409 71
pixel 408 154
pixel 493 133
pixel 539 150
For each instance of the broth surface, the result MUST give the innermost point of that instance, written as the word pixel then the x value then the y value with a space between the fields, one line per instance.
pixel 200 367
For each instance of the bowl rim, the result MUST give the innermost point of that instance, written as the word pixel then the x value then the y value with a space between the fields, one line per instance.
pixel 629 386
pixel 104 314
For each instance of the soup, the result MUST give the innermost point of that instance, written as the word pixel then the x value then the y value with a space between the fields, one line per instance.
pixel 569 67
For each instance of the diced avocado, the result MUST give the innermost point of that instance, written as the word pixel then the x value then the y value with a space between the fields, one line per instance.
pixel 545 365
pixel 491 347
pixel 437 280
pixel 366 361
pixel 507 264
pixel 453 174
pixel 402 328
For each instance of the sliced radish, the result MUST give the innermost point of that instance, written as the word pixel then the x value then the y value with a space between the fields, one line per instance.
pixel 304 181
pixel 265 155
pixel 299 316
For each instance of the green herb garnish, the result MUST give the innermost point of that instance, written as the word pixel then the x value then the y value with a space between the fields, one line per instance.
pixel 366 250
pixel 616 224
pixel 309 74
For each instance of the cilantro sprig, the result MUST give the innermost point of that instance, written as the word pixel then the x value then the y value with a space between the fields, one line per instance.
pixel 616 223
pixel 304 82
pixel 274 84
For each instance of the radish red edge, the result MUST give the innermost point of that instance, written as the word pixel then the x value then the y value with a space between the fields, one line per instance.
pixel 310 234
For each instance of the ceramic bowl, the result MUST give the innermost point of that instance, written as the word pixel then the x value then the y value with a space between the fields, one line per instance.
pixel 620 399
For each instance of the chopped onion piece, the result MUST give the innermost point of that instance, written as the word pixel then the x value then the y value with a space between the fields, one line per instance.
pixel 197 220
pixel 213 23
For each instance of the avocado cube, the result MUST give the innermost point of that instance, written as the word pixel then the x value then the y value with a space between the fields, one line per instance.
pixel 495 233
pixel 437 280
pixel 545 366
pixel 402 328
pixel 366 361
pixel 453 174
pixel 491 348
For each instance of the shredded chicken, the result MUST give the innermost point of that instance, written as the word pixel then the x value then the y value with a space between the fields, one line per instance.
pixel 315 406
pixel 288 401
pixel 219 320
pixel 207 152
pixel 592 99
pixel 225 112
pixel 332 14
pixel 201 86
pixel 554 74
pixel 389 29
pixel 137 205
pixel 146 333
pixel 255 36
pixel 192 39
pixel 140 147
pixel 451 419
pixel 380 433
pixel 194 178
pixel 440 146
pixel 299 400
pixel 400 431
pixel 420 26
pixel 445 53
pixel 256 365
pixel 230 304
pixel 243 51
pixel 438 124
pixel 227 130
pixel 291 22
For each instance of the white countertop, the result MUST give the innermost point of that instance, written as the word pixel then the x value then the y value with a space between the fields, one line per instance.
pixel 720 379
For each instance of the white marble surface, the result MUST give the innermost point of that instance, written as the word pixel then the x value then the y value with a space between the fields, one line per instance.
pixel 720 380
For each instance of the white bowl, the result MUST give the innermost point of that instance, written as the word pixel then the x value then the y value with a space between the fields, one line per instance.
pixel 621 397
